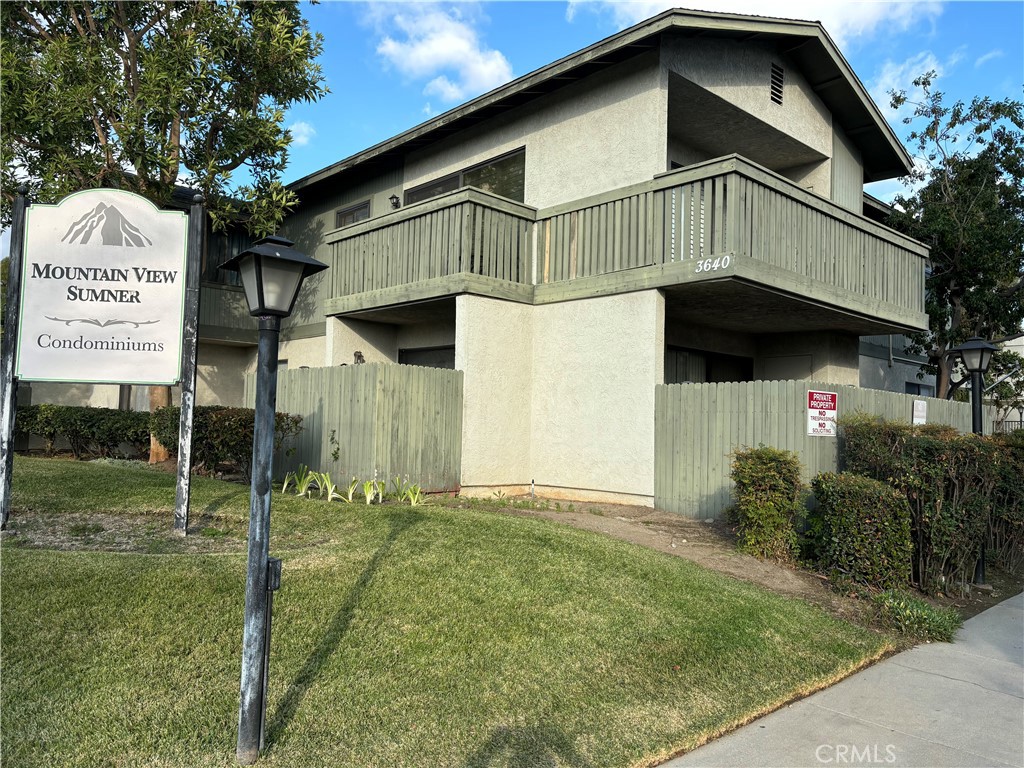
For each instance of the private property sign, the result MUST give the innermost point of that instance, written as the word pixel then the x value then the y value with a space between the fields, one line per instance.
pixel 822 408
pixel 103 290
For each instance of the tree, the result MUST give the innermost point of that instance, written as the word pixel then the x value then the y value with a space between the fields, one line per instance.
pixel 144 96
pixel 966 202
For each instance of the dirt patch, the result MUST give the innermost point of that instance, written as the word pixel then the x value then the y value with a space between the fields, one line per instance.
pixel 115 533
pixel 712 544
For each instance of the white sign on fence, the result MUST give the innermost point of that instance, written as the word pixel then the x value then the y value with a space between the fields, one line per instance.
pixel 920 412
pixel 103 291
pixel 822 408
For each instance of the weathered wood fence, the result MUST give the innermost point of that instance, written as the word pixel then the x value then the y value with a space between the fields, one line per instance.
pixel 698 427
pixel 386 420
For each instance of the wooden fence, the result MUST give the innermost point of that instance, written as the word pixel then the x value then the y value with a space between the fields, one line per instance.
pixel 699 426
pixel 386 420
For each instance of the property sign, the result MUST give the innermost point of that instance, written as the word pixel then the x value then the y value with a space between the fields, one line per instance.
pixel 102 291
pixel 920 412
pixel 822 408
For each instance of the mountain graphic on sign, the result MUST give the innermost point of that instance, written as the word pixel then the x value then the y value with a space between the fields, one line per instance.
pixel 113 227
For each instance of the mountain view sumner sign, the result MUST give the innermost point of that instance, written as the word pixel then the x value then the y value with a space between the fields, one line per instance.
pixel 102 291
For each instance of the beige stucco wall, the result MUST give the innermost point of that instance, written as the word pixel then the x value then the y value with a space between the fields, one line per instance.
pixel 436 334
pixel 494 347
pixel 595 364
pixel 739 73
pixel 821 355
pixel 586 138
pixel 302 352
pixel 220 374
pixel 377 341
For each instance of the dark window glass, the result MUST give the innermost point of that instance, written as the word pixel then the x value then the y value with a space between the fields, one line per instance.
pixel 221 246
pixel 505 176
pixel 352 214
pixel 432 189
pixel 431 357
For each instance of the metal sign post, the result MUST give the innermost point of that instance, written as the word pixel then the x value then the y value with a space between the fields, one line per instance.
pixel 8 383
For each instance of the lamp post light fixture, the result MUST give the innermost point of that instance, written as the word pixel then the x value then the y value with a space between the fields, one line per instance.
pixel 272 273
pixel 395 201
pixel 976 354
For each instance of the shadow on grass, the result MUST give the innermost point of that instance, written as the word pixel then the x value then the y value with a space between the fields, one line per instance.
pixel 307 676
pixel 531 746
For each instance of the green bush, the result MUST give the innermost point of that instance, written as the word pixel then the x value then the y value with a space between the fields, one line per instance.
pixel 768 501
pixel 221 435
pixel 913 616
pixel 948 479
pixel 865 530
pixel 1006 529
pixel 94 431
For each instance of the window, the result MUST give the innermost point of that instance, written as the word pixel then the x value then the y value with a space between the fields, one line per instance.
pixel 431 357
pixel 913 388
pixel 505 176
pixel 352 214
pixel 776 83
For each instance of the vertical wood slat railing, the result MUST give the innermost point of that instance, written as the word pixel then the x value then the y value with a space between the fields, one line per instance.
pixel 730 206
pixel 467 231
pixel 698 427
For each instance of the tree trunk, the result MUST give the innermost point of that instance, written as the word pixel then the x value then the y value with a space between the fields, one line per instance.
pixel 943 374
pixel 159 397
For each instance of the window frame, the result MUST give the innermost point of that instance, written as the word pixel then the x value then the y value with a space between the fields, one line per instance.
pixel 351 209
pixel 460 176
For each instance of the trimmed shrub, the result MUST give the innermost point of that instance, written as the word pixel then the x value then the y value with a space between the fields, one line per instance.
pixel 1006 529
pixel 768 501
pixel 221 435
pixel 948 480
pixel 913 616
pixel 94 431
pixel 865 530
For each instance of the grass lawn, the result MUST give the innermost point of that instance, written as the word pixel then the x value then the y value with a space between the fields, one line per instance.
pixel 426 636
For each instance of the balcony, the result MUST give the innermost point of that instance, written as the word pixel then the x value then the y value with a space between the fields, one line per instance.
pixel 725 239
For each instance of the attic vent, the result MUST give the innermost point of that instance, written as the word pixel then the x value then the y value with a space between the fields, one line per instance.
pixel 776 84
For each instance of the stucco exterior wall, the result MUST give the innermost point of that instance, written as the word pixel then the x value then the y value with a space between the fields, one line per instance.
pixel 822 356
pixel 606 132
pixel 595 365
pixel 300 352
pixel 377 341
pixel 739 73
pixel 439 334
pixel 220 374
pixel 493 346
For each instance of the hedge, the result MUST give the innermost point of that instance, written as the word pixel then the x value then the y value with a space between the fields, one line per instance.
pixel 865 530
pixel 768 501
pixel 95 431
pixel 221 435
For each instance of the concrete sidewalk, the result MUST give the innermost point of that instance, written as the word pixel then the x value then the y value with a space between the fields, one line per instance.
pixel 942 704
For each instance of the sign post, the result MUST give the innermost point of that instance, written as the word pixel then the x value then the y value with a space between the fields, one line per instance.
pixel 8 382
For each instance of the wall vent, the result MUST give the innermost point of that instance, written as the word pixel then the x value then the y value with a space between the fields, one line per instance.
pixel 776 83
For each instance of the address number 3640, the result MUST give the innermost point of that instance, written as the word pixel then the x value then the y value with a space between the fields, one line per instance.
pixel 712 265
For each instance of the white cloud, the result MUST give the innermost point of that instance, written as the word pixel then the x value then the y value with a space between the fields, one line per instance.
pixel 302 133
pixel 441 45
pixel 844 20
pixel 899 76
pixel 988 57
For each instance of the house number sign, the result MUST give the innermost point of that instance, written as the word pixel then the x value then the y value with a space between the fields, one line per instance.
pixel 712 265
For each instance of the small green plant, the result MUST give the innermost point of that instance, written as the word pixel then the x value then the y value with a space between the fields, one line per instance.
pixel 499 495
pixel 414 495
pixel 912 616
pixel 399 486
pixel 349 496
pixel 328 490
pixel 304 480
pixel 370 491
pixel 335 445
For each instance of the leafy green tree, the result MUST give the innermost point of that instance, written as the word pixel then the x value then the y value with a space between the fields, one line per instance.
pixel 966 202
pixel 146 95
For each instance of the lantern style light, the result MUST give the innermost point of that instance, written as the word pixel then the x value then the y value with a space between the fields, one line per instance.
pixel 272 273
pixel 976 354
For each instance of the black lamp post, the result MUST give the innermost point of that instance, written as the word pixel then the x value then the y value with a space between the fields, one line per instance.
pixel 976 354
pixel 272 273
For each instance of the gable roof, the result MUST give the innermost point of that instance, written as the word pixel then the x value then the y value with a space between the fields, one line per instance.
pixel 805 42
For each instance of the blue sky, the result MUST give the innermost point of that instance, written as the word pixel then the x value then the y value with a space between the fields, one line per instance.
pixel 390 66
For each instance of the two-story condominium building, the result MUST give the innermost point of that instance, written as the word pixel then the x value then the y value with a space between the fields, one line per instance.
pixel 682 201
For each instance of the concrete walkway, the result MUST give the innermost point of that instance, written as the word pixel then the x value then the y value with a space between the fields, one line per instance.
pixel 942 704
